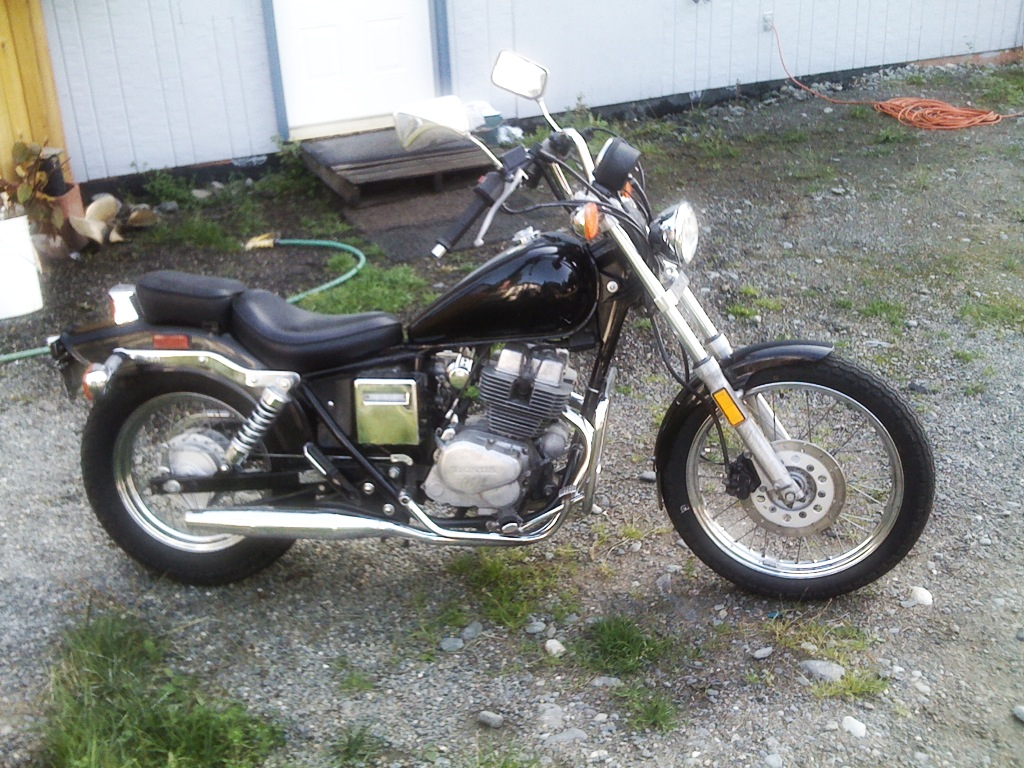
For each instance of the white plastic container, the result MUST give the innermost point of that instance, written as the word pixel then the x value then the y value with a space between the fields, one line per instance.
pixel 19 269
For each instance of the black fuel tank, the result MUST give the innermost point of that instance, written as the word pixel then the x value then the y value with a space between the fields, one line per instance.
pixel 544 289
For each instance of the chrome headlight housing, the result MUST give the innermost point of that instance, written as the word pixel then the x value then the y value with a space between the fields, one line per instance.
pixel 679 231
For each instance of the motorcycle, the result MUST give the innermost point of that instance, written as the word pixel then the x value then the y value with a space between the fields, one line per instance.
pixel 226 422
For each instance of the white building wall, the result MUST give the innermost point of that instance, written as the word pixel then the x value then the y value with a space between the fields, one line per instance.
pixel 147 84
pixel 610 52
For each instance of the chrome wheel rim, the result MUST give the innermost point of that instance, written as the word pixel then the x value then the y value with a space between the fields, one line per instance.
pixel 186 432
pixel 837 450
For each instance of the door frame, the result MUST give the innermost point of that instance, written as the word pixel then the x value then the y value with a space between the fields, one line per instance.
pixel 440 44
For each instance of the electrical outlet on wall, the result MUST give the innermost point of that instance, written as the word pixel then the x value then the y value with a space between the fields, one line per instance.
pixel 767 21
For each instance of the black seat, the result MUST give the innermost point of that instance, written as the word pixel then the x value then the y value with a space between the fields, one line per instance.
pixel 167 297
pixel 286 337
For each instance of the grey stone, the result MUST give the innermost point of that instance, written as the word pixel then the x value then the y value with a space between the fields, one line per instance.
pixel 472 632
pixel 535 627
pixel 566 737
pixel 554 648
pixel 1018 712
pixel 606 682
pixel 648 476
pixel 854 727
pixel 551 716
pixel 827 671
pixel 763 653
pixel 490 719
pixel 452 644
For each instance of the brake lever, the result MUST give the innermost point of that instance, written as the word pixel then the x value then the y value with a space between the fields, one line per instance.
pixel 510 186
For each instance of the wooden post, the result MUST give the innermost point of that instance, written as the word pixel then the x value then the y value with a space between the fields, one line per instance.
pixel 28 92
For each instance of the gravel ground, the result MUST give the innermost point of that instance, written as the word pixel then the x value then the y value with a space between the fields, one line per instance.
pixel 847 216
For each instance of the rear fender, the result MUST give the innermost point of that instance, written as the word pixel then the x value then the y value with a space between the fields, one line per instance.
pixel 78 347
pixel 738 369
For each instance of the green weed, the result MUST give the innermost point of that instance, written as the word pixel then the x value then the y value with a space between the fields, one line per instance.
pixel 649 710
pixel 510 587
pixel 618 645
pixel 115 701
pixel 358 747
pixel 893 314
pixel 855 684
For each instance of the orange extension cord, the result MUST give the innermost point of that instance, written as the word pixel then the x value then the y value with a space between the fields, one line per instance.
pixel 927 114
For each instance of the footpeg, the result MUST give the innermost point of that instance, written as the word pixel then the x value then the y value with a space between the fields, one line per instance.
pixel 319 461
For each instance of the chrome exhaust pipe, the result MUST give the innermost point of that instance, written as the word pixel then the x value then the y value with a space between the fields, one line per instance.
pixel 299 524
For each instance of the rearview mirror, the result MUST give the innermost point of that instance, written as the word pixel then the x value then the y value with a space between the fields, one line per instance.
pixel 432 122
pixel 519 75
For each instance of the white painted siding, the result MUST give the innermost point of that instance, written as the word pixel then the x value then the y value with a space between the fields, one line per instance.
pixel 609 52
pixel 147 84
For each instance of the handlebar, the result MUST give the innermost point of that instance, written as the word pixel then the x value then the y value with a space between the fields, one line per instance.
pixel 488 190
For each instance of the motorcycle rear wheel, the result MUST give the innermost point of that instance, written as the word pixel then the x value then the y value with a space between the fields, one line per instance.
pixel 857 452
pixel 182 423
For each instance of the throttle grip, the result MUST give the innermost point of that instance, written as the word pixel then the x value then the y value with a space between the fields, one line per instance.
pixel 487 190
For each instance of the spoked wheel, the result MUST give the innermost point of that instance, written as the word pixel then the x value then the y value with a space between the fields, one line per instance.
pixel 861 464
pixel 157 428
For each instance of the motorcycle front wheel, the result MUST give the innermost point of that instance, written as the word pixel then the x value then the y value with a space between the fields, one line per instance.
pixel 152 426
pixel 855 451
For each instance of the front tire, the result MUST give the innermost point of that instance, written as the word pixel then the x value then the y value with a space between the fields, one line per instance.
pixel 146 426
pixel 857 452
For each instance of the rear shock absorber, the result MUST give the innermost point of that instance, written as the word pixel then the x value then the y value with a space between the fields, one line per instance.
pixel 272 402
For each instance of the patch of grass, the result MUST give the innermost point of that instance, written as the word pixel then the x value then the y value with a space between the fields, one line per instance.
pixel 352 679
pixel 891 313
pixel 291 178
pixel 835 641
pixel 842 303
pixel 115 701
pixel 162 186
pixel 358 747
pixel 895 134
pixel 388 289
pixel 860 112
pixel 502 758
pixel 191 230
pixel 856 684
pixel 618 645
pixel 1004 310
pixel 649 710
pixel 966 355
pixel 510 587
pixel 1003 87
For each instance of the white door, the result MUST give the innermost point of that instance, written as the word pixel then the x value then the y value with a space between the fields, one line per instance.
pixel 347 64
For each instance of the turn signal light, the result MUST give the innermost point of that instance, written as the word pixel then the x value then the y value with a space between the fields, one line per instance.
pixel 591 221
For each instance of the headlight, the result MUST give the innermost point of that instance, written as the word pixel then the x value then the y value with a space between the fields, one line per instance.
pixel 679 230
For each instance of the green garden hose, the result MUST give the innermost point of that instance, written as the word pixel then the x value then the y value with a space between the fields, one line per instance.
pixel 254 243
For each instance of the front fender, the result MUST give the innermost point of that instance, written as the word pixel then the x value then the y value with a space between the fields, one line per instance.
pixel 738 368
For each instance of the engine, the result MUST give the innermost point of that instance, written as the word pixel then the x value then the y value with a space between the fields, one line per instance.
pixel 493 460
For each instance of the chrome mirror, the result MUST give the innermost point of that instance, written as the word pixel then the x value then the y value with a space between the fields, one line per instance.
pixel 519 75
pixel 432 122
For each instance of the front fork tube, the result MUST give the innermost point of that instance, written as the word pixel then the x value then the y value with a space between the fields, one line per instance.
pixel 707 368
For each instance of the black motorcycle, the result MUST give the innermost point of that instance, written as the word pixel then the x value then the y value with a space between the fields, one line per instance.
pixel 227 422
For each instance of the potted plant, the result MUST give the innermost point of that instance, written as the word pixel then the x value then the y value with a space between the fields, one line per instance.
pixel 24 206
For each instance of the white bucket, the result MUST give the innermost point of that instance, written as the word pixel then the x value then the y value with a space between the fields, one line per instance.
pixel 19 270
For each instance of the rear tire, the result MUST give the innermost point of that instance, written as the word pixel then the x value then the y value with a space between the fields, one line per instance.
pixel 858 452
pixel 139 429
